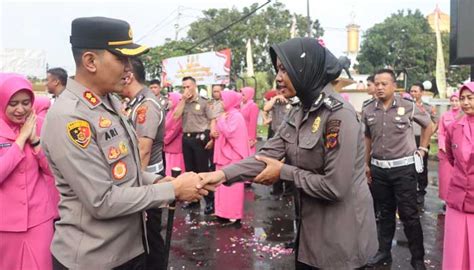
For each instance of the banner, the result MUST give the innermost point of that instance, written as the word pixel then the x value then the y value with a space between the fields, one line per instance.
pixel 207 68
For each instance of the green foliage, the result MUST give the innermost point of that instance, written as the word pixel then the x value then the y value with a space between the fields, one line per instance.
pixel 403 40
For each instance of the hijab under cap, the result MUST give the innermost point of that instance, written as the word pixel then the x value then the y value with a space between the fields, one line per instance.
pixel 310 66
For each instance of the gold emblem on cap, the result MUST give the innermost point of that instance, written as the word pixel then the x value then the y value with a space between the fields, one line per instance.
pixel 130 33
pixel 316 124
pixel 401 111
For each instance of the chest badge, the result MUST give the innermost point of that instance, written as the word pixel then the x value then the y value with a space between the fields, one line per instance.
pixel 104 122
pixel 316 124
pixel 397 118
pixel 401 111
pixel 288 106
pixel 123 148
pixel 114 153
pixel 79 132
pixel 197 107
pixel 119 170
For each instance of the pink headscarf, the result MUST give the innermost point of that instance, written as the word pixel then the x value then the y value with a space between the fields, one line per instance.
pixel 231 100
pixel 455 94
pixel 10 84
pixel 173 126
pixel 467 86
pixel 249 93
pixel 42 105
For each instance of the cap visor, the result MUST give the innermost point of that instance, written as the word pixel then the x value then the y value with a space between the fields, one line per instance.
pixel 129 50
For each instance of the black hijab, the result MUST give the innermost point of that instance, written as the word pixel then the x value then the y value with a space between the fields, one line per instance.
pixel 309 65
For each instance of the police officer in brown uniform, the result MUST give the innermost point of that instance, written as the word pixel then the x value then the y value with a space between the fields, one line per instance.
pixel 217 108
pixel 196 116
pixel 147 117
pixel 416 91
pixel 93 153
pixel 391 151
pixel 323 142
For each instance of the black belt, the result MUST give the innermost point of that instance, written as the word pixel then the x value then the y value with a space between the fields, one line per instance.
pixel 193 134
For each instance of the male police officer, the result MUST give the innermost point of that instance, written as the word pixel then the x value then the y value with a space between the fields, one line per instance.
pixel 416 91
pixel 391 151
pixel 196 116
pixel 147 117
pixel 93 153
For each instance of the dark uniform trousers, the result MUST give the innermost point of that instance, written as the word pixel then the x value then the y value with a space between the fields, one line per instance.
pixel 395 188
pixel 422 177
pixel 196 157
pixel 156 258
pixel 137 263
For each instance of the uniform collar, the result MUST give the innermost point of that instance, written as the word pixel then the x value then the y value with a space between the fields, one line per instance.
pixel 396 100
pixel 85 95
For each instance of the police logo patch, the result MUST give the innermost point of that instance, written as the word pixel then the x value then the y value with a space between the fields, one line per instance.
pixel 316 124
pixel 79 132
pixel 91 98
pixel 197 107
pixel 332 133
pixel 119 170
pixel 104 122
pixel 141 114
pixel 114 153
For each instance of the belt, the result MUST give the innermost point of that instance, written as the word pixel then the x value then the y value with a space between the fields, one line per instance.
pixel 198 135
pixel 394 163
pixel 155 168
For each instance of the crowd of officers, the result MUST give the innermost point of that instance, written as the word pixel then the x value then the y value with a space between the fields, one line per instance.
pixel 397 134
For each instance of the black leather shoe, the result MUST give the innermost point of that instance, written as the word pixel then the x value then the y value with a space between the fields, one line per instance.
pixel 209 210
pixel 380 259
pixel 418 265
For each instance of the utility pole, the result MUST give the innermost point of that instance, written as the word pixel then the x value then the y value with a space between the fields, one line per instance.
pixel 308 18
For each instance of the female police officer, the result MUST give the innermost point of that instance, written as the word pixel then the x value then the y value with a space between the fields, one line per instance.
pixel 323 144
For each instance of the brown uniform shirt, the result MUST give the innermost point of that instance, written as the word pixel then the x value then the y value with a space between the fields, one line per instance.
pixel 391 131
pixel 196 115
pixel 425 107
pixel 278 113
pixel 92 151
pixel 325 155
pixel 217 108
pixel 148 120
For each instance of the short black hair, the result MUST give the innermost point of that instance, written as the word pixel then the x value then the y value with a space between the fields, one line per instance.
pixel 78 52
pixel 220 85
pixel 59 73
pixel 371 78
pixel 189 78
pixel 387 71
pixel 420 85
pixel 155 81
pixel 138 69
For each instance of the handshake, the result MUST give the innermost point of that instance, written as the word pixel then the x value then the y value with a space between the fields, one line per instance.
pixel 192 187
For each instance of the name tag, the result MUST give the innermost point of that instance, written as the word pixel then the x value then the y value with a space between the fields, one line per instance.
pixel 5 145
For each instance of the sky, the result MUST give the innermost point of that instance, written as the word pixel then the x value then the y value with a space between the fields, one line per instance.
pixel 45 25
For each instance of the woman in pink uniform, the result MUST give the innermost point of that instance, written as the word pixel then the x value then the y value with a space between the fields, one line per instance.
pixel 249 111
pixel 231 146
pixel 444 168
pixel 458 252
pixel 41 106
pixel 26 219
pixel 173 137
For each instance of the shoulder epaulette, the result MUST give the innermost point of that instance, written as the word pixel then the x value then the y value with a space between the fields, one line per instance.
pixel 332 104
pixel 367 102
pixel 409 99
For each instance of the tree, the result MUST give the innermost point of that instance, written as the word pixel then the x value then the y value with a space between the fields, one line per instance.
pixel 401 41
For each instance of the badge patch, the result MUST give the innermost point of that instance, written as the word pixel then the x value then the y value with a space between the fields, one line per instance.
pixel 288 106
pixel 401 111
pixel 123 148
pixel 197 107
pixel 316 124
pixel 332 133
pixel 119 170
pixel 89 96
pixel 104 122
pixel 141 114
pixel 114 153
pixel 79 132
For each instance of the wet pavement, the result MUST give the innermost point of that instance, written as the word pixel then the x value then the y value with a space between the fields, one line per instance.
pixel 201 242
